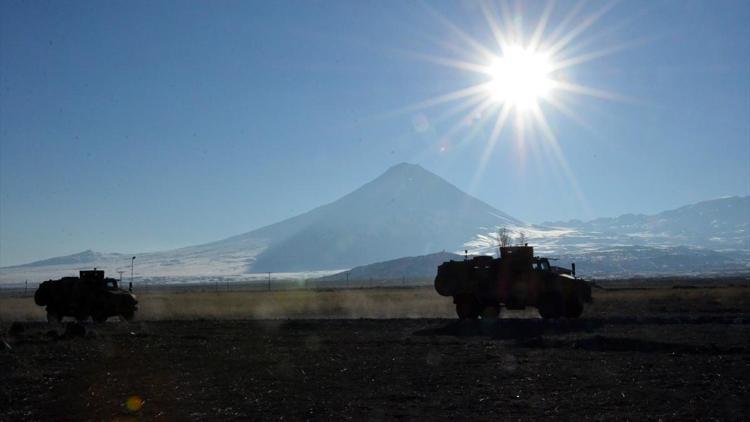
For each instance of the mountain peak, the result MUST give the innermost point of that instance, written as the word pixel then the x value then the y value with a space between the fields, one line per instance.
pixel 406 169
pixel 405 166
pixel 402 175
pixel 405 211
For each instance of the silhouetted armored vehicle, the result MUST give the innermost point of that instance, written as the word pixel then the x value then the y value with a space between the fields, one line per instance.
pixel 517 279
pixel 90 295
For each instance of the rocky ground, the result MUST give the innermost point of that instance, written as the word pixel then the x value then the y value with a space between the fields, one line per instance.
pixel 679 355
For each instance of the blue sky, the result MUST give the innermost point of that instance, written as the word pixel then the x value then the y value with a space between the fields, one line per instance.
pixel 139 126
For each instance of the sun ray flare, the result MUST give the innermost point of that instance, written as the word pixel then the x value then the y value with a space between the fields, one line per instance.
pixel 518 74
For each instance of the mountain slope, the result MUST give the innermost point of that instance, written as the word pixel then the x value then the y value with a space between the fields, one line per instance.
pixel 405 211
pixel 424 266
pixel 82 258
pixel 629 261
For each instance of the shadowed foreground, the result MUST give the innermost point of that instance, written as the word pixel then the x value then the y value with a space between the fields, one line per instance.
pixel 649 358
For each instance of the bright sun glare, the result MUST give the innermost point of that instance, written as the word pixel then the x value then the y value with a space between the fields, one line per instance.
pixel 520 78
pixel 523 76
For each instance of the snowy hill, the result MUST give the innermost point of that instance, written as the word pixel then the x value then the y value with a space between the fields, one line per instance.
pixel 706 237
pixel 721 224
pixel 629 261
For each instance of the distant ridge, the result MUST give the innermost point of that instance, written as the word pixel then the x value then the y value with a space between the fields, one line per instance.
pixel 632 261
pixel 86 257
pixel 424 266
pixel 721 224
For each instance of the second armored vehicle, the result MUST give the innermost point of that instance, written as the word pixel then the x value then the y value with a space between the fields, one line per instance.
pixel 516 280
pixel 90 295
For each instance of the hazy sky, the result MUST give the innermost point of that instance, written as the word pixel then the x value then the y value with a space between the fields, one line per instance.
pixel 136 126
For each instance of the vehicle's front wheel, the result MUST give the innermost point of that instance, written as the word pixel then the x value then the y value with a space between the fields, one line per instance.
pixel 573 307
pixel 550 306
pixel 53 315
pixel 491 312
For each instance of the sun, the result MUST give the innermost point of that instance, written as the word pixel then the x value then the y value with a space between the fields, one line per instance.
pixel 522 74
pixel 525 72
pixel 520 78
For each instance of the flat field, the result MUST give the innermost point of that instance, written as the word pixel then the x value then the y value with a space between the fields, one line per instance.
pixel 373 354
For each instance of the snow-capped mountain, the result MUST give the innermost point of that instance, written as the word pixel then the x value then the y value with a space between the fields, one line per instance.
pixel 630 261
pixel 721 225
pixel 408 211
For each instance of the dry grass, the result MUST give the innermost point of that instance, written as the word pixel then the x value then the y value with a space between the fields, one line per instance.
pixel 386 303
pixel 338 303
pixel 671 300
pixel 20 309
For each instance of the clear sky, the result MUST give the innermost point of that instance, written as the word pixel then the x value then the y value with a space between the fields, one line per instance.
pixel 129 126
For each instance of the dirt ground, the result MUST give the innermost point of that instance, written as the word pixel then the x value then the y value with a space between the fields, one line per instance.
pixel 660 354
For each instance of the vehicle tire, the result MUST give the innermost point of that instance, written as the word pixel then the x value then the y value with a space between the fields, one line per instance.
pixel 467 310
pixel 74 329
pixel 491 312
pixel 54 316
pixel 550 306
pixel 573 307
pixel 445 286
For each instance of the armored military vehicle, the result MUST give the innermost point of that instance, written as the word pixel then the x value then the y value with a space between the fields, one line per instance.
pixel 517 279
pixel 89 295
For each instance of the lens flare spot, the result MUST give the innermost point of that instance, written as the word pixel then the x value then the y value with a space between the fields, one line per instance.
pixel 421 124
pixel 134 403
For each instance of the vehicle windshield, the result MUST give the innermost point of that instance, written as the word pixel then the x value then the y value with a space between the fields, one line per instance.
pixel 541 265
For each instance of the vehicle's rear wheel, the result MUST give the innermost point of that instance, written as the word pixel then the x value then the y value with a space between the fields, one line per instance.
pixel 573 307
pixel 491 312
pixel 550 306
pixel 53 315
pixel 467 310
